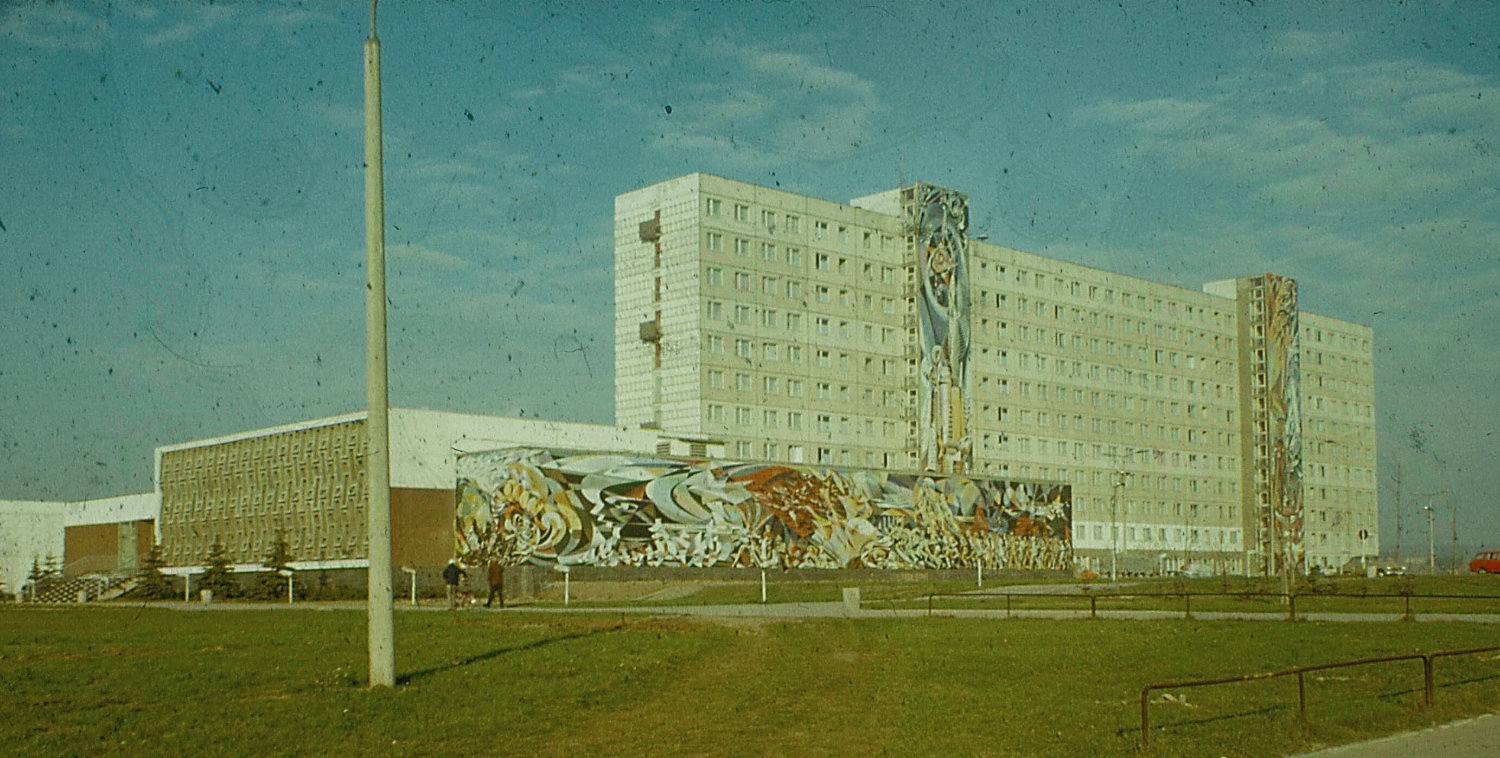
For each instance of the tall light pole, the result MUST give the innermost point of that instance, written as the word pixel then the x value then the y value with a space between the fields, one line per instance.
pixel 1116 529
pixel 1431 552
pixel 381 604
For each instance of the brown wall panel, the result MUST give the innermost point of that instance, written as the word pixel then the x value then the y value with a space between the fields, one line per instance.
pixel 145 537
pixel 91 548
pixel 421 527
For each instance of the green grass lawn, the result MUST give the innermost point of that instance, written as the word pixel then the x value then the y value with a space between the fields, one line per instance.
pixel 126 680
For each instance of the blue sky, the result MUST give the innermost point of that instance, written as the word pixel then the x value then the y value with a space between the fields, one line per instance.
pixel 181 192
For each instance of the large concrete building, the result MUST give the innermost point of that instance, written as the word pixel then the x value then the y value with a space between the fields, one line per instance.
pixel 1222 428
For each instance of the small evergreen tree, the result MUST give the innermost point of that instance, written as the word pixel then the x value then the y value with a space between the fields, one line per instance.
pixel 218 577
pixel 35 578
pixel 53 569
pixel 272 584
pixel 152 584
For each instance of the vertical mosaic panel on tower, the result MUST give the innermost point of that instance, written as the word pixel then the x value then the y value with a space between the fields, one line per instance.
pixel 939 219
pixel 1284 401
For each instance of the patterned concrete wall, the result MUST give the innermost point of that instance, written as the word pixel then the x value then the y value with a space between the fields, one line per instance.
pixel 525 505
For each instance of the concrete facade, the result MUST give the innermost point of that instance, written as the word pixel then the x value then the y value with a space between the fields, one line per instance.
pixel 305 483
pixel 879 334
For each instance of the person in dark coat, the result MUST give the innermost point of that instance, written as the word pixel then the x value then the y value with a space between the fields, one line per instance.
pixel 452 574
pixel 497 585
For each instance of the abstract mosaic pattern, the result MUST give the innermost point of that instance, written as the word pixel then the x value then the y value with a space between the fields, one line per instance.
pixel 524 505
pixel 1284 405
pixel 940 220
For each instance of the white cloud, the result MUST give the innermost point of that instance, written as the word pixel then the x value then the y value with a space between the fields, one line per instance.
pixel 53 27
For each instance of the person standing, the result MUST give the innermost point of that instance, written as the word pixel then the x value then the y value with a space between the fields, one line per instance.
pixel 451 576
pixel 497 585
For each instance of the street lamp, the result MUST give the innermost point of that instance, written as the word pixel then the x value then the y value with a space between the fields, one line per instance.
pixel 380 602
pixel 1431 553
pixel 1121 476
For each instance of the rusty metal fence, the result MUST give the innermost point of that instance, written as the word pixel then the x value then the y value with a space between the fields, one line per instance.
pixel 1300 672
pixel 1186 599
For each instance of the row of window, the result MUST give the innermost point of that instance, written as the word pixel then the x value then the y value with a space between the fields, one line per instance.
pixel 772 221
pixel 772 419
pixel 1164 331
pixel 1106 295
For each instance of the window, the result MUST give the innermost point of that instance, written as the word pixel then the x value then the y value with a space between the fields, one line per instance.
pixel 768 252
pixel 742 281
pixel 715 309
pixel 825 359
pixel 715 344
pixel 794 420
pixel 824 391
pixel 793 321
pixel 768 419
pixel 741 246
pixel 742 416
pixel 821 293
pixel 712 205
pixel 770 352
pixel 768 285
pixel 716 379
pixel 822 326
pixel 715 413
pixel 794 256
pixel 715 276
pixel 768 219
pixel 794 353
pixel 741 212
pixel 742 348
pixel 794 388
pixel 768 317
pixel 768 385
pixel 794 289
pixel 793 225
pixel 742 313
pixel 820 230
pixel 820 261
pixel 716 242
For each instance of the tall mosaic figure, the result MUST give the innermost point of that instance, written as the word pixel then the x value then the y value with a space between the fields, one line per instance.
pixel 939 220
pixel 1284 392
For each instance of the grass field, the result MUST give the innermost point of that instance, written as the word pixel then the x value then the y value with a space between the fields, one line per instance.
pixel 126 680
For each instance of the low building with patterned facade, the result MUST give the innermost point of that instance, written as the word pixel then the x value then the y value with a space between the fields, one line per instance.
pixel 305 483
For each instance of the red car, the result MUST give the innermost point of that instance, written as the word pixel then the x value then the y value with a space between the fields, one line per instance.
pixel 1487 562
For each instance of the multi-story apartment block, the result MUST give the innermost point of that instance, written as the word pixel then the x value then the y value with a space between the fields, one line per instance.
pixel 1222 428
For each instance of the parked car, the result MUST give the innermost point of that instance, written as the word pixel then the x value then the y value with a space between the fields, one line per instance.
pixel 1485 562
pixel 1391 571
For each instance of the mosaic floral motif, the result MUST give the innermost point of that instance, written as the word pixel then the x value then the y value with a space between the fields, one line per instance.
pixel 524 505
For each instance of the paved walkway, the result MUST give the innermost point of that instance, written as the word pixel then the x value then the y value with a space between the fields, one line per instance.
pixel 1477 737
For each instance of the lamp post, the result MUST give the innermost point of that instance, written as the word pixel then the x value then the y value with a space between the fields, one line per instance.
pixel 381 603
pixel 1121 476
pixel 1431 552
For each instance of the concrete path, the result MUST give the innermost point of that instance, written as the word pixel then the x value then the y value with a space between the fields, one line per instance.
pixel 1477 737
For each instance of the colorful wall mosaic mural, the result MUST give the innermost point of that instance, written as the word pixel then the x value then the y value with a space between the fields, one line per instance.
pixel 525 505
pixel 1284 417
pixel 939 219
